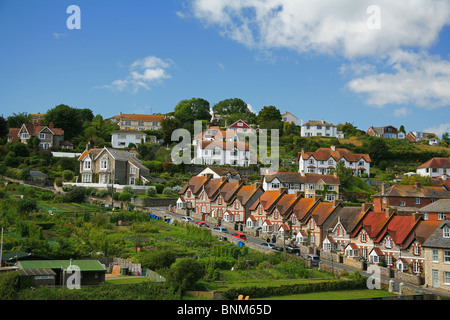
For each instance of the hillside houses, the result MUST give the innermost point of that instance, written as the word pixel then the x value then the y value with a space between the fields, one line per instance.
pixel 408 198
pixel 49 136
pixel 324 160
pixel 309 184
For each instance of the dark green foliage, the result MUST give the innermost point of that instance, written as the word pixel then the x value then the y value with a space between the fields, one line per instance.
pixel 184 274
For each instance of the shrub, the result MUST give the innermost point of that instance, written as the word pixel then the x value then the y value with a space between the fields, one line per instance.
pixel 151 191
pixel 125 196
pixel 159 187
pixel 128 189
pixel 67 175
pixel 167 191
pixel 77 195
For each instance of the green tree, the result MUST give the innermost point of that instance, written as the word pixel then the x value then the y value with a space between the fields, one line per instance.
pixel 69 119
pixel 230 106
pixel 188 111
pixel 269 117
pixel 345 175
pixel 378 150
pixel 168 125
pixel 17 119
pixel 184 274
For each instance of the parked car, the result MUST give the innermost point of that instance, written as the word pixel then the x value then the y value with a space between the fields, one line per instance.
pixel 293 250
pixel 239 235
pixel 269 245
pixel 221 229
pixel 187 219
pixel 203 224
pixel 315 259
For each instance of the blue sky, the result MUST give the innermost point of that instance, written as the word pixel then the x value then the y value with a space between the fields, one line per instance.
pixel 334 60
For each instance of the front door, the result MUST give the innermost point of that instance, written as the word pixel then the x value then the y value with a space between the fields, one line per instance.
pixel 435 278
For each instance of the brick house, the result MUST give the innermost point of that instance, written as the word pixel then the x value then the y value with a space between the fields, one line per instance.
pixel 436 211
pixel 408 198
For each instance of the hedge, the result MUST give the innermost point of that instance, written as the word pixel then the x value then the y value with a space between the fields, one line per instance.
pixel 284 290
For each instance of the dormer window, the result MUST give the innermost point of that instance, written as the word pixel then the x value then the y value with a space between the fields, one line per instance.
pixel 87 164
pixel 446 232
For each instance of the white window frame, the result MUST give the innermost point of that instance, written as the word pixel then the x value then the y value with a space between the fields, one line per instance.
pixel 132 169
pixel 41 135
pixel 435 255
pixel 87 164
pixel 446 232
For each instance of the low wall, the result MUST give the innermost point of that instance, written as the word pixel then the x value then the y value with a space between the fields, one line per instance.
pixel 154 202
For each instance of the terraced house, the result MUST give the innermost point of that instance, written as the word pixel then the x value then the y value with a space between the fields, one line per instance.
pixel 326 186
pixel 408 198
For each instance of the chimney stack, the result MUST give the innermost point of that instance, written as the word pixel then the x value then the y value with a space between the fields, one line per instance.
pixel 383 188
pixel 417 184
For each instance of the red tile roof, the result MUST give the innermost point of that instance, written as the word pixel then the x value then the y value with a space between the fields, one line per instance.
pixel 323 210
pixel 436 163
pixel 399 227
pixel 373 222
pixel 268 198
pixel 323 154
pixel 139 117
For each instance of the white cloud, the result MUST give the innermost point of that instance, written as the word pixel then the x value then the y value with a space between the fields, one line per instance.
pixel 143 73
pixel 401 112
pixel 416 78
pixel 326 26
pixel 221 66
pixel 342 28
pixel 439 130
pixel 59 35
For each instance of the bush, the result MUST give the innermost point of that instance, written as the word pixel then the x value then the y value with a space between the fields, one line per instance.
pixel 184 274
pixel 151 191
pixel 159 187
pixel 128 189
pixel 125 196
pixel 167 191
pixel 67 175
pixel 155 260
pixel 77 195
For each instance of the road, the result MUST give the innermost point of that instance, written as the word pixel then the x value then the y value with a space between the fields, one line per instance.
pixel 163 212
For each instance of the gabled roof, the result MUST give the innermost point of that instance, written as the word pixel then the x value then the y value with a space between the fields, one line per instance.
pixel 323 154
pixel 229 190
pixel 303 207
pixel 422 232
pixel 436 238
pixel 224 145
pixel 286 203
pixel 195 184
pixel 244 125
pixel 436 163
pixel 349 217
pixel 214 132
pixel 213 186
pixel 33 130
pixel 415 191
pixel 323 210
pixel 441 205
pixel 246 192
pixel 373 222
pixel 268 199
pixel 399 227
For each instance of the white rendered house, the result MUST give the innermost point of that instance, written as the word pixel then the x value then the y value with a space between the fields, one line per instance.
pixel 324 160
pixel 122 138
